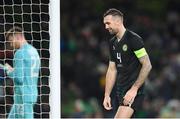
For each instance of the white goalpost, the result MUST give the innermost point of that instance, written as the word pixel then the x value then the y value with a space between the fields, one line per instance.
pixel 54 9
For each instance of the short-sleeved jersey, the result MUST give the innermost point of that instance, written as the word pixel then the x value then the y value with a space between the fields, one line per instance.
pixel 125 54
pixel 26 64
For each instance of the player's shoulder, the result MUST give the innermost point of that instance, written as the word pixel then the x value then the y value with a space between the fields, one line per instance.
pixel 27 51
pixel 32 51
pixel 19 53
pixel 30 48
pixel 133 35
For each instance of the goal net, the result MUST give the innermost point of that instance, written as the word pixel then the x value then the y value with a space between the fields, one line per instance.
pixel 34 17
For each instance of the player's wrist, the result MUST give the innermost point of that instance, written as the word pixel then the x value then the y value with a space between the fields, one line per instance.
pixel 134 87
pixel 106 95
pixel 8 68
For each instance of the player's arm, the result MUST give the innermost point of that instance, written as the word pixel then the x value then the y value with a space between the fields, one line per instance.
pixel 137 46
pixel 110 81
pixel 110 78
pixel 141 54
pixel 17 72
pixel 6 67
pixel 145 69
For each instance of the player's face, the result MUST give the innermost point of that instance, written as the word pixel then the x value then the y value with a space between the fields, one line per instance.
pixel 111 24
pixel 13 41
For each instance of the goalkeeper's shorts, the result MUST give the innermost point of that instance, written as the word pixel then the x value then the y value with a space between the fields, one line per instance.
pixel 21 111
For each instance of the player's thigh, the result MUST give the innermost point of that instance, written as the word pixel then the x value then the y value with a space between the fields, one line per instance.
pixel 124 112
pixel 23 110
pixel 137 105
pixel 28 110
pixel 19 110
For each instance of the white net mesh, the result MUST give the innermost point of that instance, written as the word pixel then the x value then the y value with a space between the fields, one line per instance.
pixel 33 17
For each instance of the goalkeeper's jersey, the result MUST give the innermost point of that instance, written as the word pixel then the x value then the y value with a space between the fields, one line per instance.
pixel 26 64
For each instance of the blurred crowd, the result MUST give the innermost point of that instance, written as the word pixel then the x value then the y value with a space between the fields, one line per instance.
pixel 84 55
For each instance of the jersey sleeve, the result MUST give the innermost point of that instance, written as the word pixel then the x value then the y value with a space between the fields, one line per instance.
pixel 138 47
pixel 18 73
pixel 111 57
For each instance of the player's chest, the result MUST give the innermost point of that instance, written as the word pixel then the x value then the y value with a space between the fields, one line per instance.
pixel 122 52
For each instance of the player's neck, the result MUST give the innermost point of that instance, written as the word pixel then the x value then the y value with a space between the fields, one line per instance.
pixel 120 34
pixel 22 43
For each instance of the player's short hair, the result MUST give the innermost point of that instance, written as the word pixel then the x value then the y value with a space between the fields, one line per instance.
pixel 13 31
pixel 113 12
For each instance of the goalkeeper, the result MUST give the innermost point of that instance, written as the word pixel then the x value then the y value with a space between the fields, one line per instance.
pixel 25 72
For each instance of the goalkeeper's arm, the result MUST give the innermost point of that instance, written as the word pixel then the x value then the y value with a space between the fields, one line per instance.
pixel 14 73
pixel 7 68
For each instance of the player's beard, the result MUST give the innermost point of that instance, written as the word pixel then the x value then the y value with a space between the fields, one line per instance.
pixel 112 32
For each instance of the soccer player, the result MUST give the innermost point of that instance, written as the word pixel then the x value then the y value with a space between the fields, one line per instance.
pixel 128 68
pixel 25 73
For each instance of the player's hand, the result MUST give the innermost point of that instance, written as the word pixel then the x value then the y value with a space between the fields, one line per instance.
pixel 9 68
pixel 107 103
pixel 130 96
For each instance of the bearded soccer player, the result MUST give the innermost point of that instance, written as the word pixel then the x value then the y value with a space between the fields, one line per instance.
pixel 128 68
pixel 25 73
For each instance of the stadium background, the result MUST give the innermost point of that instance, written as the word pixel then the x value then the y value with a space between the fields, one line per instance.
pixel 84 54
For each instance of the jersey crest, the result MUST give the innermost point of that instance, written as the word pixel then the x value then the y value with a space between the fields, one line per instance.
pixel 125 47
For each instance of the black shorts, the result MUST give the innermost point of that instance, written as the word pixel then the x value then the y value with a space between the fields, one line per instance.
pixel 137 104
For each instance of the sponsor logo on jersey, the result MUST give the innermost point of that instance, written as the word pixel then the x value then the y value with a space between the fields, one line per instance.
pixel 125 47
